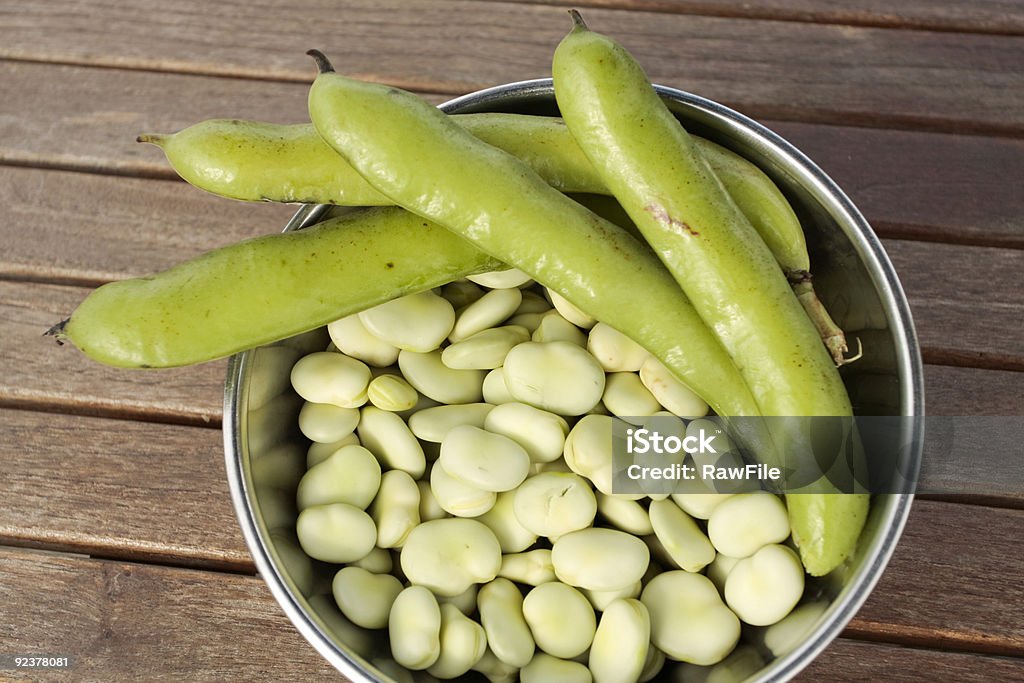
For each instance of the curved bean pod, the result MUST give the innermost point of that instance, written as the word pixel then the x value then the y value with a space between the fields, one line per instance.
pixel 257 161
pixel 265 289
pixel 495 201
pixel 660 177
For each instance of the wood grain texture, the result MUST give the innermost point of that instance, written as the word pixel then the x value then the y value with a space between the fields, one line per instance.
pixel 796 71
pixel 851 660
pixel 126 621
pixel 117 488
pixel 952 582
pixel 79 228
pixel 972 391
pixel 40 374
pixel 88 119
pixel 930 186
pixel 985 16
pixel 922 186
pixel 949 287
pixel 134 622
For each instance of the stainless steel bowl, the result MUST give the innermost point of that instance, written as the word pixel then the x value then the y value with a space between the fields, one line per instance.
pixel 266 455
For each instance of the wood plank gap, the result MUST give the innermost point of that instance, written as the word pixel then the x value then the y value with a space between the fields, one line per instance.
pixel 964 359
pixel 975 642
pixel 974 499
pixel 90 407
pixel 242 568
pixel 419 86
pixel 44 552
pixel 895 122
pixel 127 169
pixel 16 274
pixel 137 554
pixel 763 12
pixel 143 171
pixel 925 233
pixel 931 123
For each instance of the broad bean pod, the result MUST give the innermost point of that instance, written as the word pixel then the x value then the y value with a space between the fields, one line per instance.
pixel 257 161
pixel 499 204
pixel 266 289
pixel 661 178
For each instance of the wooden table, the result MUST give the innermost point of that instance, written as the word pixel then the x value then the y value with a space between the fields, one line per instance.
pixel 118 544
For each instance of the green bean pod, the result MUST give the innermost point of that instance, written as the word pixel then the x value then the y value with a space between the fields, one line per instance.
pixel 498 203
pixel 268 288
pixel 547 146
pixel 255 161
pixel 659 175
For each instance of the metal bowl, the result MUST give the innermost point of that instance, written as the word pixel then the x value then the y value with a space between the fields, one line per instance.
pixel 266 455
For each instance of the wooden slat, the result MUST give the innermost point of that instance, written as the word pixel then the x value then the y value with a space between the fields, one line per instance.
pixel 961 317
pixel 972 391
pixel 851 660
pixel 909 184
pixel 930 186
pixel 949 287
pixel 87 229
pixel 117 488
pixel 40 374
pixel 790 70
pixel 986 16
pixel 958 391
pixel 98 134
pixel 132 622
pixel 952 582
pixel 123 621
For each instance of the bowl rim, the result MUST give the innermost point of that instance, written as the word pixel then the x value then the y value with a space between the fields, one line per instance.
pixel 872 256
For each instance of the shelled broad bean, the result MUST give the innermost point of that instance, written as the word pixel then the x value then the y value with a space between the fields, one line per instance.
pixel 477 524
